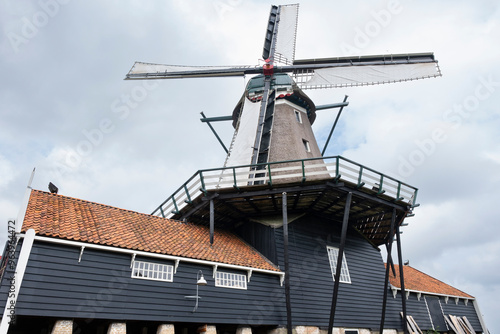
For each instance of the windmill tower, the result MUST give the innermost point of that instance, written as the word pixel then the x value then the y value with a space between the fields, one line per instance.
pixel 274 116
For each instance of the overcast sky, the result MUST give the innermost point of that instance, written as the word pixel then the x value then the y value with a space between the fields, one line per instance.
pixel 66 110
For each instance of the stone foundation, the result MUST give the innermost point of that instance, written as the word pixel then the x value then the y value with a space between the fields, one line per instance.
pixel 63 327
pixel 306 330
pixel 117 328
pixel 244 330
pixel 165 329
pixel 207 329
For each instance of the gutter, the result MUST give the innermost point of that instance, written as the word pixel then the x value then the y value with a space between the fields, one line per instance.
pixel 177 259
pixel 395 289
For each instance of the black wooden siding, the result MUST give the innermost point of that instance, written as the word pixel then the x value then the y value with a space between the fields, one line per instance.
pixel 359 303
pixel 100 286
pixel 461 310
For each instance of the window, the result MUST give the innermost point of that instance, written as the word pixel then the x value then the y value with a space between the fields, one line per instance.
pixel 306 145
pixel 228 280
pixel 298 116
pixel 154 271
pixel 333 254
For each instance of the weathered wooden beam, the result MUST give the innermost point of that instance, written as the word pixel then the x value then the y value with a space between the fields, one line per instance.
pixel 340 257
pixel 401 276
pixel 212 221
pixel 287 269
pixel 388 265
pixel 204 202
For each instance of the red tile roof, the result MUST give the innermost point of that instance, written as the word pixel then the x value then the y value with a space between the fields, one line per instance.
pixel 418 281
pixel 68 218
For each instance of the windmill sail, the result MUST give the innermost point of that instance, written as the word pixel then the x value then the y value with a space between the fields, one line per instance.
pixel 274 117
pixel 143 71
pixel 362 71
pixel 287 34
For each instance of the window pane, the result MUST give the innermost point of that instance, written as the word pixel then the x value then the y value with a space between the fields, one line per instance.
pixel 333 254
pixel 229 280
pixel 153 271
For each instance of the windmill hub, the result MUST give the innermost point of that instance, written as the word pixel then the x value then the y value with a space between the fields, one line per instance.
pixel 268 68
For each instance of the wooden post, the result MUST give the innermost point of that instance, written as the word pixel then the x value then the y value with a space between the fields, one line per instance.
pixel 389 261
pixel 339 261
pixel 212 221
pixel 287 269
pixel 401 276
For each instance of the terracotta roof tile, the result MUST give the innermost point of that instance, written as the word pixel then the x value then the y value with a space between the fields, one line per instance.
pixel 69 218
pixel 418 281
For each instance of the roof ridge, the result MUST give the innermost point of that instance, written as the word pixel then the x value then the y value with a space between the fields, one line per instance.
pixel 106 205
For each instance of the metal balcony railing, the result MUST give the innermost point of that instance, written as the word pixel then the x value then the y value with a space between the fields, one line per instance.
pixel 334 168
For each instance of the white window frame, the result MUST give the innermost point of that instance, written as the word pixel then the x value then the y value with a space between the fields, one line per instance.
pixel 298 115
pixel 230 280
pixel 307 146
pixel 153 271
pixel 333 254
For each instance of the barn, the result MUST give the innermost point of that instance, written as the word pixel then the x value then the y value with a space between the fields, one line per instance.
pixel 251 259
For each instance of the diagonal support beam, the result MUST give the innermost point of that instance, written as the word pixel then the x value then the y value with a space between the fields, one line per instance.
pixel 389 262
pixel 204 119
pixel 334 125
pixel 343 236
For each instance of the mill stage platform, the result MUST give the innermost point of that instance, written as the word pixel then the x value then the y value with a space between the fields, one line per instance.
pixel 314 186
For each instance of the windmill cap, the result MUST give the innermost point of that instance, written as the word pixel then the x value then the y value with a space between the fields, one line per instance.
pixel 285 87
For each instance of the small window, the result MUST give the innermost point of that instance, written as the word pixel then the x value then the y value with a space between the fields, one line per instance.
pixel 154 271
pixel 333 254
pixel 351 331
pixel 306 145
pixel 298 116
pixel 228 280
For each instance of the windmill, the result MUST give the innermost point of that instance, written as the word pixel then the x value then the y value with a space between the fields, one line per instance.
pixel 273 100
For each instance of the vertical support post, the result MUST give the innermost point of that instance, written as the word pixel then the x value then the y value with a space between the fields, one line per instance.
pixel 287 269
pixel 401 276
pixel 339 261
pixel 389 261
pixel 212 221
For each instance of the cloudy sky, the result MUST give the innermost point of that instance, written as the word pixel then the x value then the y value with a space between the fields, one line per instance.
pixel 66 110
